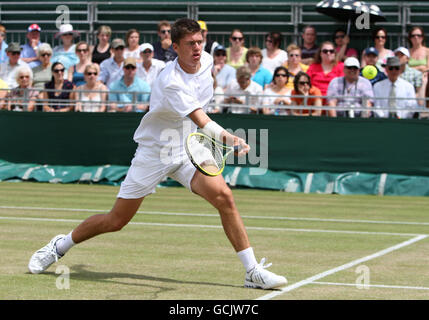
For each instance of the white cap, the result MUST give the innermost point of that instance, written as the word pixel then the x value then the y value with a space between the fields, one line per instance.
pixel 404 51
pixel 352 62
pixel 145 46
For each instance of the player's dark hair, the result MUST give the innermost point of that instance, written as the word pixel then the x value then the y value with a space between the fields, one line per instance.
pixel 183 27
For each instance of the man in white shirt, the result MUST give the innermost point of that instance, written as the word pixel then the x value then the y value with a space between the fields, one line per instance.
pixel 111 69
pixel 8 68
pixel 243 91
pixel 180 95
pixel 389 90
pixel 149 69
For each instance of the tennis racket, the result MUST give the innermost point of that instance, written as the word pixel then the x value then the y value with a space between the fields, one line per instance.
pixel 207 154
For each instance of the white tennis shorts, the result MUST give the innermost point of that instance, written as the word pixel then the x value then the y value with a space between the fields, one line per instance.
pixel 146 172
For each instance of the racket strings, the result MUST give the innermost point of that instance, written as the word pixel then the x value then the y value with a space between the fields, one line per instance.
pixel 207 154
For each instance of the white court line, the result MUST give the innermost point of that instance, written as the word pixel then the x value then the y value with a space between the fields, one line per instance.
pixel 340 268
pixel 220 227
pixel 370 285
pixel 216 215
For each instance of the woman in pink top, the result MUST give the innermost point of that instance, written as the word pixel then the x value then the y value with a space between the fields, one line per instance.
pixel 325 67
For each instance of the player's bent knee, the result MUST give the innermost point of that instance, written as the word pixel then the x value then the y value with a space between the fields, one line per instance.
pixel 224 198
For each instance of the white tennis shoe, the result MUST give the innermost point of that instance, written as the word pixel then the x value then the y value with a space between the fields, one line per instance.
pixel 44 257
pixel 261 278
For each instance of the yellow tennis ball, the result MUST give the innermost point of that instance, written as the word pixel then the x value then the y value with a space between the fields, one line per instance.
pixel 369 72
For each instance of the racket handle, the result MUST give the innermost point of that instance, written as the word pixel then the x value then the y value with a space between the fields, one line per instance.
pixel 237 148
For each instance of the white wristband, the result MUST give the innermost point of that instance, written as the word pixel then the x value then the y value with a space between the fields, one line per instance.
pixel 212 129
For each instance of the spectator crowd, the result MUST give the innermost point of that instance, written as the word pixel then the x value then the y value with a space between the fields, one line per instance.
pixel 312 79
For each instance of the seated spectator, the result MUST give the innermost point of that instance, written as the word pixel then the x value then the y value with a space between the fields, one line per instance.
pixel 3 92
pixel 310 96
pixel 243 91
pixel 379 37
pixel 419 53
pixel 163 48
pixel 129 93
pixel 75 73
pixel 325 67
pixel 149 69
pixel 132 39
pixel 294 64
pixel 111 69
pixel 208 44
pixel 3 44
pixel 23 97
pixel 223 72
pixel 9 67
pixel 236 53
pixel 309 46
pixel 29 50
pixel 272 55
pixel 277 93
pixel 370 57
pixel 92 95
pixel 101 51
pixel 342 40
pixel 350 91
pixel 65 53
pixel 259 74
pixel 388 90
pixel 42 73
pixel 56 97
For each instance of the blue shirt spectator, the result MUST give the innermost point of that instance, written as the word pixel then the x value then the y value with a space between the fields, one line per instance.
pixel 29 50
pixel 260 75
pixel 111 69
pixel 263 77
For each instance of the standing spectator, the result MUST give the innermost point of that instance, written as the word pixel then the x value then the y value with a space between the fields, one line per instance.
pixel 163 48
pixel 350 91
pixel 92 95
pixel 56 97
pixel 294 64
pixel 272 55
pixel 111 68
pixel 3 44
pixel 370 58
pixel 101 51
pixel 379 37
pixel 223 72
pixel 22 98
pixel 325 67
pixel 75 73
pixel 388 90
pixel 236 53
pixel 278 93
pixel 129 93
pixel 29 50
pixel 65 53
pixel 310 96
pixel 243 91
pixel 42 73
pixel 342 40
pixel 149 69
pixel 309 46
pixel 208 44
pixel 132 39
pixel 259 74
pixel 9 67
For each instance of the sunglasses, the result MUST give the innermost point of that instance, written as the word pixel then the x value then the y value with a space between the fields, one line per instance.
pixel 67 34
pixel 45 54
pixel 24 77
pixel 352 68
pixel 219 54
pixel 303 83
pixel 15 53
pixel 119 48
pixel 393 68
pixel 59 70
pixel 326 51
pixel 269 40
pixel 165 31
pixel 82 50
pixel 129 67
pixel 380 37
pixel 91 73
pixel 237 38
pixel 147 51
pixel 293 55
pixel 416 35
pixel 281 75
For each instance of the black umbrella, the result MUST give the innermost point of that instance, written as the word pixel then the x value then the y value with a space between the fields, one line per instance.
pixel 349 10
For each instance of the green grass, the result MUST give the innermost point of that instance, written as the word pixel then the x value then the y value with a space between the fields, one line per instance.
pixel 187 256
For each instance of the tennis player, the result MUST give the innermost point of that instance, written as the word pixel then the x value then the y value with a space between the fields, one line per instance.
pixel 180 94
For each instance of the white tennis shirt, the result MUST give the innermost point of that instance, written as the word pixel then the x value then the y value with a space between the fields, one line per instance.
pixel 175 94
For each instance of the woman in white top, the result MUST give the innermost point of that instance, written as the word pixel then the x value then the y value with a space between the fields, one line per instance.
pixel 278 93
pixel 91 101
pixel 272 55
pixel 132 39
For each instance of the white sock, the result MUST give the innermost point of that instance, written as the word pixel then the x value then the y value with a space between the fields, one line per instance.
pixel 64 244
pixel 248 259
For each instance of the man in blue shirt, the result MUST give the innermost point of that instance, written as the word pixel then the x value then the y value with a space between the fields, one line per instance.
pixel 129 93
pixel 260 75
pixel 29 50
